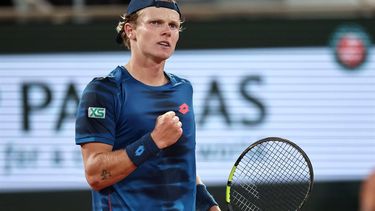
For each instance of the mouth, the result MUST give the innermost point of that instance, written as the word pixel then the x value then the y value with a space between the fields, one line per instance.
pixel 164 44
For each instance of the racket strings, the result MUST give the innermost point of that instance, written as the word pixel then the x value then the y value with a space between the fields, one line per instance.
pixel 270 173
pixel 292 163
pixel 243 203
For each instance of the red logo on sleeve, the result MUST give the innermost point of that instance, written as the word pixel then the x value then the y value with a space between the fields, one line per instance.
pixel 184 108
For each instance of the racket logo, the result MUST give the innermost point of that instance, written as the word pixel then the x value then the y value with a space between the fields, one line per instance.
pixel 96 113
pixel 184 108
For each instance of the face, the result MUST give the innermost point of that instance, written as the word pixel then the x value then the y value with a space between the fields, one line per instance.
pixel 156 33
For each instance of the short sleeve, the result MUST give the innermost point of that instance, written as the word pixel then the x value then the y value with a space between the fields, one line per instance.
pixel 96 113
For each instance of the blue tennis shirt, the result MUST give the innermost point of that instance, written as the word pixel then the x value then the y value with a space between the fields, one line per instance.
pixel 118 110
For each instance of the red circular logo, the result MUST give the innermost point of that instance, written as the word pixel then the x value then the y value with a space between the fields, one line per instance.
pixel 184 108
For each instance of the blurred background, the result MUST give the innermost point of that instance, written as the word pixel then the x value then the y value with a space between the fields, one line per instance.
pixel 299 69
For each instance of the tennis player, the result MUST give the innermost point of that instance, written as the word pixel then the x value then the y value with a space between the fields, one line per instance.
pixel 136 126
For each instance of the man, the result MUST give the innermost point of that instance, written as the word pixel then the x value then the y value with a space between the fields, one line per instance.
pixel 136 126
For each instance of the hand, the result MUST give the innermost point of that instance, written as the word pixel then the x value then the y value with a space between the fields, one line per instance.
pixel 215 208
pixel 168 129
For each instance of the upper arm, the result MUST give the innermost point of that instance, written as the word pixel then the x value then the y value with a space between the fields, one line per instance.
pixel 96 113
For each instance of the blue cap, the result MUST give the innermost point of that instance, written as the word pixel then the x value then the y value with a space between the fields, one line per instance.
pixel 136 5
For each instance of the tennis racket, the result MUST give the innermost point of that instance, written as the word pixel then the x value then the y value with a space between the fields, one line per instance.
pixel 271 174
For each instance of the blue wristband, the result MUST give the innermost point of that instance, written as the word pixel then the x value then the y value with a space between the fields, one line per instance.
pixel 142 149
pixel 204 200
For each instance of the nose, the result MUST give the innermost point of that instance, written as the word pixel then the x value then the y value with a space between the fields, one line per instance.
pixel 166 30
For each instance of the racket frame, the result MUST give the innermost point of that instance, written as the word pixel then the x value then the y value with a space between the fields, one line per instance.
pixel 274 139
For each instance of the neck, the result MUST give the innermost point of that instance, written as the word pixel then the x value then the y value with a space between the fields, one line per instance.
pixel 149 73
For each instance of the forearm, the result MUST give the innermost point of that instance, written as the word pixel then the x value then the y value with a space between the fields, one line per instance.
pixel 205 200
pixel 104 169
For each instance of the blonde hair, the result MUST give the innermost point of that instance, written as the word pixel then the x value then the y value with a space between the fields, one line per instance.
pixel 132 18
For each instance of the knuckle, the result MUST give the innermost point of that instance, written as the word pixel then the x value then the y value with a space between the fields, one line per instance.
pixel 160 118
pixel 170 113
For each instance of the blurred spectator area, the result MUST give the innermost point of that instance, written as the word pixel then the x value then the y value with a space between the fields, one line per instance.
pixel 60 11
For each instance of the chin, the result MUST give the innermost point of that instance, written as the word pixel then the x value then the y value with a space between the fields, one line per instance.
pixel 164 56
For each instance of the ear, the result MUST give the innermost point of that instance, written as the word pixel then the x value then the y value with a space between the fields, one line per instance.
pixel 129 31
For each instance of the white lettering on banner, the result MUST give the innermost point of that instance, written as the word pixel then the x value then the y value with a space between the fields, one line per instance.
pixel 240 96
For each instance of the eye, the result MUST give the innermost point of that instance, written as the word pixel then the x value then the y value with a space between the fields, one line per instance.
pixel 155 23
pixel 174 26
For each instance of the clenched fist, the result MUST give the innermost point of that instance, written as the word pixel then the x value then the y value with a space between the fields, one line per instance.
pixel 168 129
